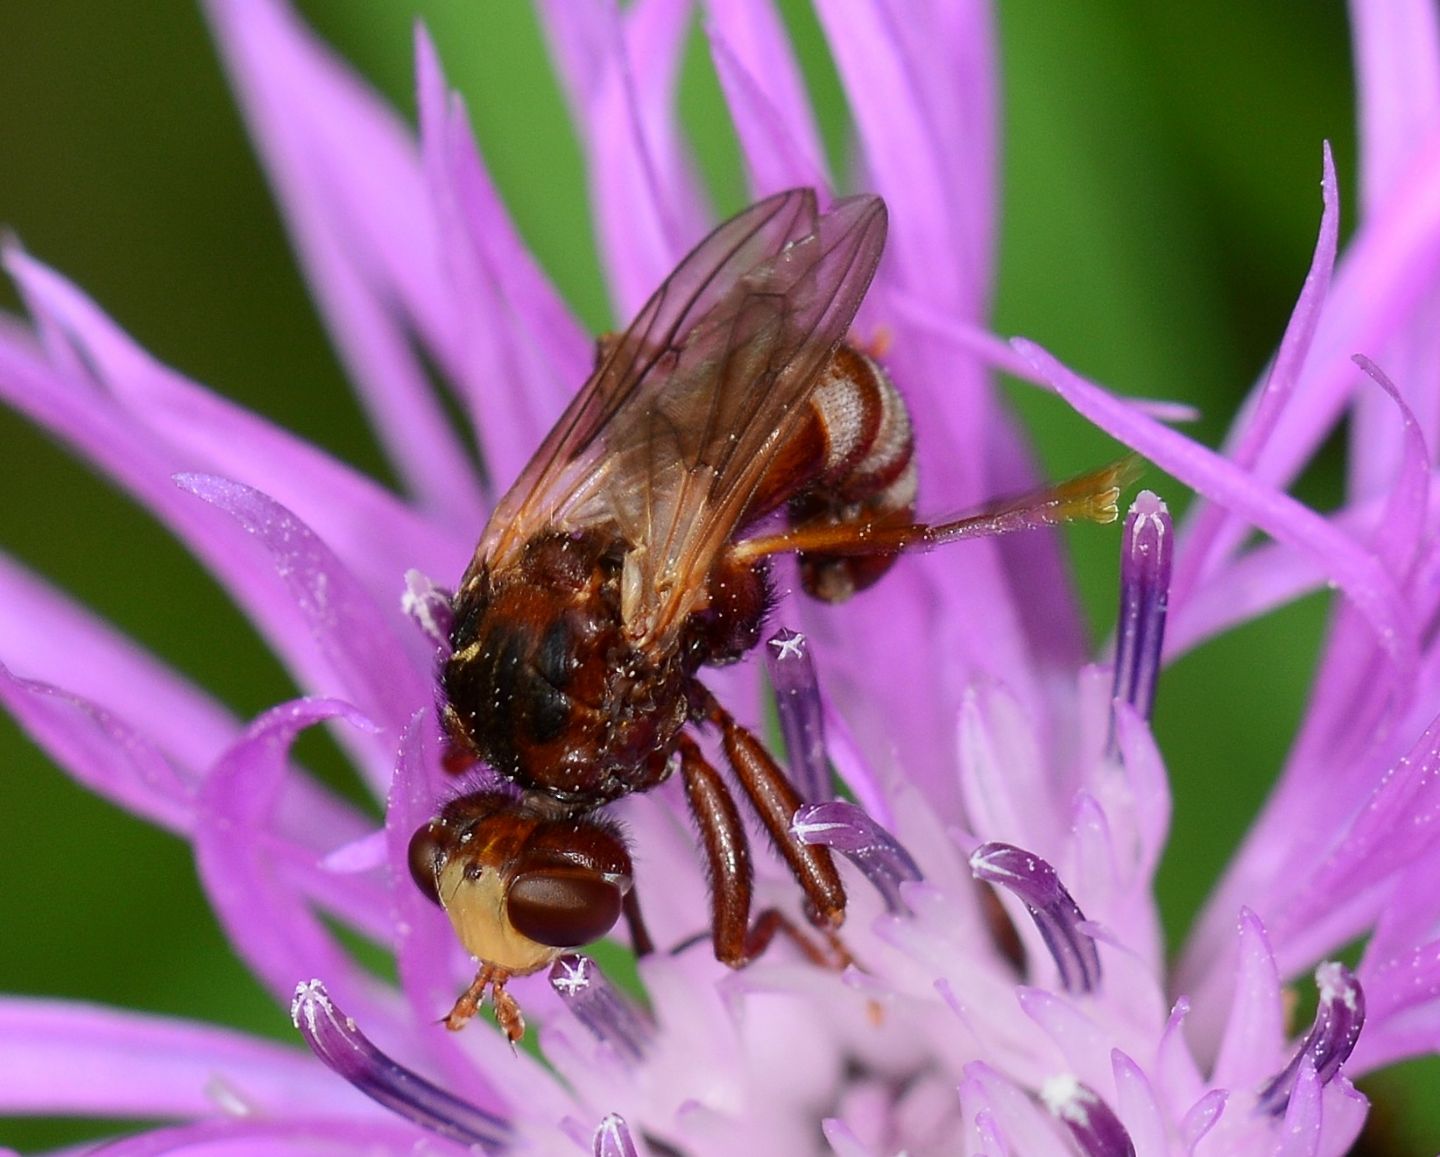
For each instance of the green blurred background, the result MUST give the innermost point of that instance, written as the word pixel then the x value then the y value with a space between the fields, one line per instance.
pixel 1160 202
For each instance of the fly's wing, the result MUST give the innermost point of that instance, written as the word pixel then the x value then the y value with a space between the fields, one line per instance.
pixel 572 465
pixel 718 405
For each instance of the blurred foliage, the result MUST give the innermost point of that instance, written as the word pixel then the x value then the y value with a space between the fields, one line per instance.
pixel 1160 200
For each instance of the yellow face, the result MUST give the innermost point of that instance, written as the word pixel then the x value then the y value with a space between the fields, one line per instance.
pixel 476 907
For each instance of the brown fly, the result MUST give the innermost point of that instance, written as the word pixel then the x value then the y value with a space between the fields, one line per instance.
pixel 729 423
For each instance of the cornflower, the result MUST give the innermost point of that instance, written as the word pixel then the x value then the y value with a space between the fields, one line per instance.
pixel 1007 804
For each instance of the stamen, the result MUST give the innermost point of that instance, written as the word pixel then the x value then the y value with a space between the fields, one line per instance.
pixel 609 1014
pixel 797 701
pixel 1092 1123
pixel 1144 595
pixel 429 606
pixel 852 833
pixel 1054 911
pixel 612 1138
pixel 335 1039
pixel 1331 1038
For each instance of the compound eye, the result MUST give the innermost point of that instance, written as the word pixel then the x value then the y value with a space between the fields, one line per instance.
pixel 427 856
pixel 564 907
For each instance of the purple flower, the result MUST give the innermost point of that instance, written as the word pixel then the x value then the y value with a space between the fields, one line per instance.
pixel 1007 804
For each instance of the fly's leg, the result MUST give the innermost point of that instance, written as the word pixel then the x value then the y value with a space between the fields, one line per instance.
pixel 727 853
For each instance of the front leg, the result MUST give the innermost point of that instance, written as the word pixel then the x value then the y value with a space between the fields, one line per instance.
pixel 507 1011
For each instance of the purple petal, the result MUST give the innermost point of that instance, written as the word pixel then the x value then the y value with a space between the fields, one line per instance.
pixel 523 354
pixel 1083 1040
pixel 851 764
pixel 1355 571
pixel 93 426
pixel 1054 911
pixel 101 751
pixel 348 178
pixel 619 73
pixel 69 1058
pixel 918 80
pixel 1394 827
pixel 337 1040
pixel 47 638
pixel 1403 989
pixel 264 916
pixel 766 96
pixel 1008 788
pixel 367 526
pixel 1299 1136
pixel 1397 61
pixel 1264 579
pixel 863 842
pixel 155 776
pixel 611 1017
pixel 797 702
pixel 1149 792
pixel 1214 531
pixel 308 1137
pixel 1383 290
pixel 842 1140
pixel 367 659
pixel 1398 536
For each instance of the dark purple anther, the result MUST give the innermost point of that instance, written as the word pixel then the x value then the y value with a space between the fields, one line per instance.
pixel 1055 913
pixel 797 702
pixel 1093 1125
pixel 612 1138
pixel 1329 1042
pixel 334 1038
pixel 609 1014
pixel 852 833
pixel 1144 595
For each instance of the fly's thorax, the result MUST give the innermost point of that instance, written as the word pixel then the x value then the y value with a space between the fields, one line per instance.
pixel 544 684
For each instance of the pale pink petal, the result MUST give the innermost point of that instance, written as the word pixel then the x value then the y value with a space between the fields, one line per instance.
pixel 1011 1115
pixel 1253 1044
pixel 1136 1106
